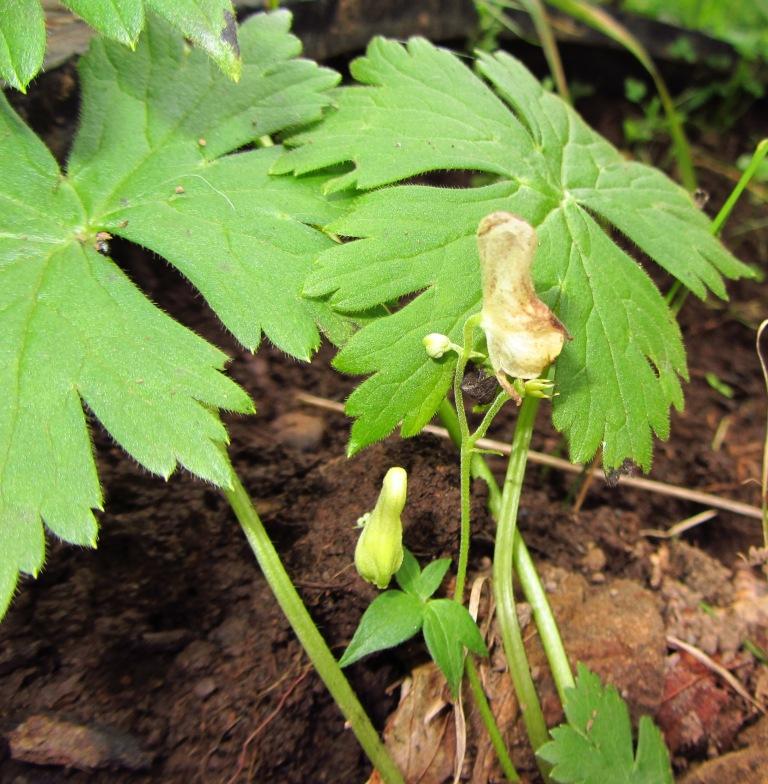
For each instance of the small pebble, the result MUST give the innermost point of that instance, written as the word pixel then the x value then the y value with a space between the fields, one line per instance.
pixel 205 688
pixel 595 559
pixel 299 431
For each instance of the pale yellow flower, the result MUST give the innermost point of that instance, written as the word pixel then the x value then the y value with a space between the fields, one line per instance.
pixel 524 336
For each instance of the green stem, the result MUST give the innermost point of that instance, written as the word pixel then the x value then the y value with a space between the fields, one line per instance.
pixel 538 14
pixel 503 570
pixel 310 638
pixel 486 714
pixel 465 448
pixel 529 578
pixel 467 454
pixel 464 477
pixel 678 294
pixel 549 634
pixel 725 211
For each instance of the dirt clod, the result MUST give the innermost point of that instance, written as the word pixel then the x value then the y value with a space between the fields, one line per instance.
pixel 48 740
pixel 299 431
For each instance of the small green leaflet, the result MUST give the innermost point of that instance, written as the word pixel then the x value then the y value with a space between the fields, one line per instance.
pixel 448 628
pixel 209 24
pixel 391 618
pixel 153 162
pixel 395 616
pixel 595 745
pixel 420 109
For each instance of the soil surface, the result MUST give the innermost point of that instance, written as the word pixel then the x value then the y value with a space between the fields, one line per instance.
pixel 162 656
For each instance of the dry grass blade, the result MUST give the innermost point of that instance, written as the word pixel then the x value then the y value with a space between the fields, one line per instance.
pixel 709 662
pixel 681 527
pixel 539 458
pixel 762 353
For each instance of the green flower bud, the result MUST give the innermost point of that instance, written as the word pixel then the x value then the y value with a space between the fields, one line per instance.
pixel 538 387
pixel 438 345
pixel 379 551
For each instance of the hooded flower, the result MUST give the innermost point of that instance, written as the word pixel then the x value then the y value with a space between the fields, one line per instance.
pixel 523 334
pixel 379 551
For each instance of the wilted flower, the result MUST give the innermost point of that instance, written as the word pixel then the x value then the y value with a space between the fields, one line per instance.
pixel 524 336
pixel 379 551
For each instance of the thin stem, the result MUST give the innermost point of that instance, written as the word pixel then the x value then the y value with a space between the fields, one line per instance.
pixel 761 345
pixel 549 634
pixel 464 482
pixel 466 446
pixel 466 453
pixel 490 414
pixel 538 14
pixel 310 638
pixel 678 294
pixel 486 714
pixel 529 578
pixel 503 590
pixel 757 158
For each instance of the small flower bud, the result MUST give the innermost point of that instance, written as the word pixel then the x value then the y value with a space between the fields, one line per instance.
pixel 538 387
pixel 379 551
pixel 437 345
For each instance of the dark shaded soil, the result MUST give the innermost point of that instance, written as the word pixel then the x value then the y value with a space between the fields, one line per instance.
pixel 168 632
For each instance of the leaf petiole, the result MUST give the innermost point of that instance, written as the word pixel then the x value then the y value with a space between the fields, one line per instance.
pixel 304 627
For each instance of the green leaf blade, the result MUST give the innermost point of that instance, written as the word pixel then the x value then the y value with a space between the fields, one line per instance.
pixel 76 333
pixel 22 42
pixel 448 628
pixel 431 577
pixel 595 745
pixel 391 618
pixel 147 165
pixel 120 20
pixel 208 23
pixel 409 572
pixel 621 374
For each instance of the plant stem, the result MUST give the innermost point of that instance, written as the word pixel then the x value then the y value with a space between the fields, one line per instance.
pixel 545 620
pixel 503 569
pixel 465 451
pixel 507 766
pixel 291 604
pixel 725 211
pixel 529 578
pixel 538 14
pixel 761 344
pixel 465 455
pixel 677 294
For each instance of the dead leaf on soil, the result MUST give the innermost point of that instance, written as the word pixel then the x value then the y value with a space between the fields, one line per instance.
pixel 419 734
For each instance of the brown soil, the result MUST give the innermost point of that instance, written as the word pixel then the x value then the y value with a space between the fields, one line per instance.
pixel 169 633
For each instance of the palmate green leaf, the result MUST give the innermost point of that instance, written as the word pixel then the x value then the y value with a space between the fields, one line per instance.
pixel 421 110
pixel 150 163
pixel 22 41
pixel 595 743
